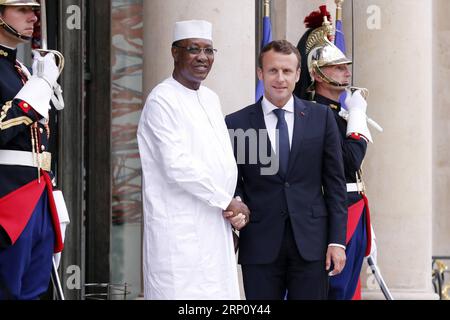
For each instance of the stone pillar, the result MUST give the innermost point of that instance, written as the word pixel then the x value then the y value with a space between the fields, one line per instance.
pixel 393 58
pixel 233 74
pixel 441 119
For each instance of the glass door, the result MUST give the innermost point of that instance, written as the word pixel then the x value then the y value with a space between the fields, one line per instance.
pixel 127 101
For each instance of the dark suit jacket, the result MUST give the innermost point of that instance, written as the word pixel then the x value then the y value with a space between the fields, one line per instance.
pixel 312 195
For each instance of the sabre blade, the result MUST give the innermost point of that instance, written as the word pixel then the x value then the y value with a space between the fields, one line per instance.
pixel 374 124
pixel 56 282
pixel 44 45
pixel 376 272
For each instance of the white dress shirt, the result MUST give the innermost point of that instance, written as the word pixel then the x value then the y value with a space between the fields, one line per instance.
pixel 271 119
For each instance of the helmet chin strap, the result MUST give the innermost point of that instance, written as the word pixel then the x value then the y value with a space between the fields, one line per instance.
pixel 13 31
pixel 329 80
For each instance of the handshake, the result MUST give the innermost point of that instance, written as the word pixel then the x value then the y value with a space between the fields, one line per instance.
pixel 237 213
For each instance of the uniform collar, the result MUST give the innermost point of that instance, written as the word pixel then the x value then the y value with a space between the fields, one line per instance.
pixel 335 105
pixel 8 53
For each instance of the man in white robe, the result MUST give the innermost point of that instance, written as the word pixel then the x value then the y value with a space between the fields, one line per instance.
pixel 190 177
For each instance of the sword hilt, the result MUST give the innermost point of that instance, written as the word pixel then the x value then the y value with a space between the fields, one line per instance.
pixel 59 58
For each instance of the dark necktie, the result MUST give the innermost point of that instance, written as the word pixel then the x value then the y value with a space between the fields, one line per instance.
pixel 283 142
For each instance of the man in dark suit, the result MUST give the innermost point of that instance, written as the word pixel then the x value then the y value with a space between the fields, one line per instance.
pixel 296 235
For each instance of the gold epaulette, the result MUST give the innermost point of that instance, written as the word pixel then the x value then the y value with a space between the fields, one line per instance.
pixel 334 107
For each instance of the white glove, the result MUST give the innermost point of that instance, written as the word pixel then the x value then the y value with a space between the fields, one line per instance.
pixel 46 68
pixel 38 90
pixel 357 118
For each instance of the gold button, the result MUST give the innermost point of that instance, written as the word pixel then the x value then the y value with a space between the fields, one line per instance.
pixel 43 148
pixel 41 130
pixel 25 105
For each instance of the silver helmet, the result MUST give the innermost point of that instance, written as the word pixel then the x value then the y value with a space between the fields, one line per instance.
pixel 20 3
pixel 321 52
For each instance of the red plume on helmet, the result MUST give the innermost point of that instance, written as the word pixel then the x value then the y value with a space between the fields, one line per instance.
pixel 313 21
pixel 315 18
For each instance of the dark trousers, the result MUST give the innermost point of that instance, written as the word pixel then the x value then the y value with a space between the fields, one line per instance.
pixel 25 267
pixel 303 280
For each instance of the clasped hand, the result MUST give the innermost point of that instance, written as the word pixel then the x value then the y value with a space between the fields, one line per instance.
pixel 237 213
pixel 45 68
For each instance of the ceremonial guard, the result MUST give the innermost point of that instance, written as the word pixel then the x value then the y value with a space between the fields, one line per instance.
pixel 30 230
pixel 325 75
